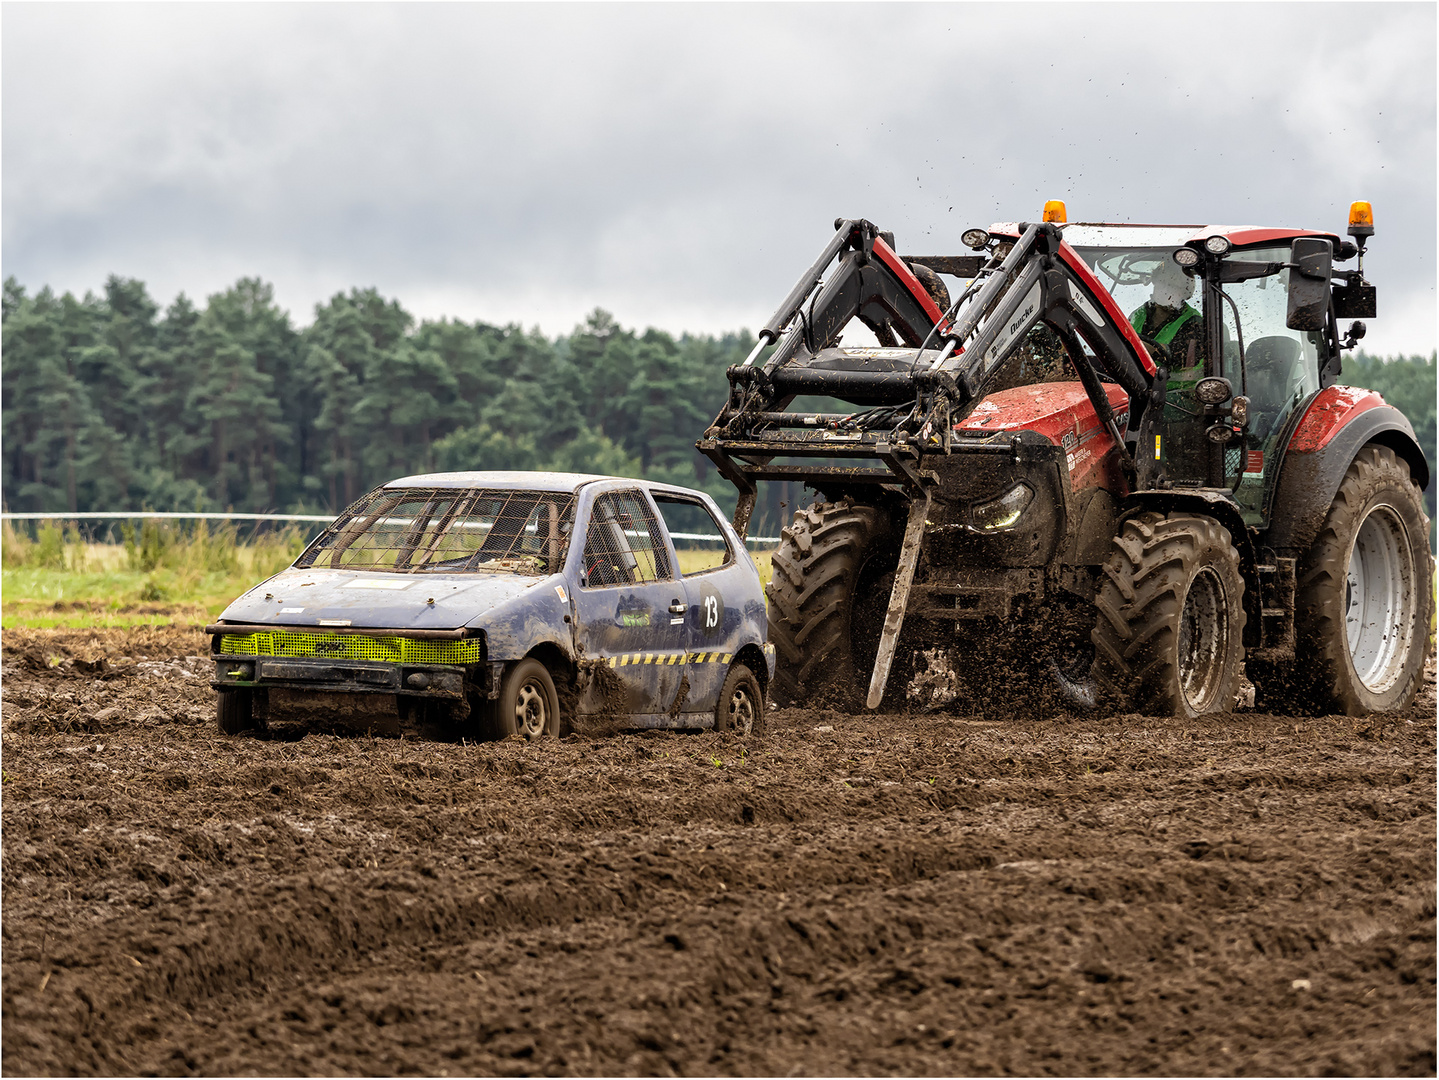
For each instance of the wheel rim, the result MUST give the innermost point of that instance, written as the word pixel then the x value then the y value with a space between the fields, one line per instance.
pixel 1203 640
pixel 741 711
pixel 532 710
pixel 1379 599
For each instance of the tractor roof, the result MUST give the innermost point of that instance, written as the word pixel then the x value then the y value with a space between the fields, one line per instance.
pixel 1117 234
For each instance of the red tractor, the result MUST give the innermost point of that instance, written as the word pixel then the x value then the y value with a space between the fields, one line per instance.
pixel 1118 469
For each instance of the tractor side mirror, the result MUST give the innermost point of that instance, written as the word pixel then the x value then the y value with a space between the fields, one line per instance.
pixel 1312 263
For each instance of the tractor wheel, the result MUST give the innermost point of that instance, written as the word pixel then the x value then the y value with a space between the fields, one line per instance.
pixel 1169 635
pixel 528 705
pixel 827 603
pixel 1362 606
pixel 235 712
pixel 741 703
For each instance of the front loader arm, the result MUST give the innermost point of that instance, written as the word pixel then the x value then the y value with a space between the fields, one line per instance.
pixel 911 400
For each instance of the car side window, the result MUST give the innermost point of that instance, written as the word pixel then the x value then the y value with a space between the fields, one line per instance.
pixel 623 545
pixel 699 540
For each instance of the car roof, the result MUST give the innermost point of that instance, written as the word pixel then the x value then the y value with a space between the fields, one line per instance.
pixel 504 481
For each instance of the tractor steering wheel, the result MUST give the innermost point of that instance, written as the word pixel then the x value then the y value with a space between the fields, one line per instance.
pixel 1157 350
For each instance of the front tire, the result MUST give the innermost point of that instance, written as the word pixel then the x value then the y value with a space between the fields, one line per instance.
pixel 235 712
pixel 741 703
pixel 827 604
pixel 528 705
pixel 1363 600
pixel 1169 633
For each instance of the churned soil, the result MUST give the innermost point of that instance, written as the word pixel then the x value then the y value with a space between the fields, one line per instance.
pixel 919 894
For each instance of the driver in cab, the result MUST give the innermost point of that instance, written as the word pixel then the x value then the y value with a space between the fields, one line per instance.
pixel 1167 318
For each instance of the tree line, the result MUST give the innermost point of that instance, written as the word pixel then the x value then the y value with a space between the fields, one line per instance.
pixel 111 404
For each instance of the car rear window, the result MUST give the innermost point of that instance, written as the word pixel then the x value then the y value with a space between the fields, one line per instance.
pixel 445 530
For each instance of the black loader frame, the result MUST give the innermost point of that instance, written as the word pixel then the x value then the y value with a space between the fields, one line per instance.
pixel 912 401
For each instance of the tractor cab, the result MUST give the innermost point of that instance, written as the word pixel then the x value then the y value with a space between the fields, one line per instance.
pixel 1224 316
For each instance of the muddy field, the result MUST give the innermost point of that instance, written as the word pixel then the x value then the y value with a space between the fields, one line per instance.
pixel 919 894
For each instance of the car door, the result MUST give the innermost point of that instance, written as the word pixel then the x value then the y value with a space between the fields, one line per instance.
pixel 716 584
pixel 623 603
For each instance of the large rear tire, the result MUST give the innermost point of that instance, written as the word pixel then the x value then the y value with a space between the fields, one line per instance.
pixel 1169 634
pixel 1363 600
pixel 827 603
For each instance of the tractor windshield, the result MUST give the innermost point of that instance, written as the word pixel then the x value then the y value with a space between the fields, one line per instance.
pixel 1152 291
pixel 448 530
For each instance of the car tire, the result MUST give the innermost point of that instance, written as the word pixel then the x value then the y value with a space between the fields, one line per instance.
pixel 1362 603
pixel 528 705
pixel 235 712
pixel 741 703
pixel 1169 632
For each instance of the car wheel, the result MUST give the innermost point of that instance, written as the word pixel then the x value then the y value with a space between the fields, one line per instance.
pixel 235 712
pixel 741 703
pixel 528 705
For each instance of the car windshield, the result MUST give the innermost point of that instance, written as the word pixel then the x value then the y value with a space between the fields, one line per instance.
pixel 448 530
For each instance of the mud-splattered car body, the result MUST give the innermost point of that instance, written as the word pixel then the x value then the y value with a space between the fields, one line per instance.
pixel 426 595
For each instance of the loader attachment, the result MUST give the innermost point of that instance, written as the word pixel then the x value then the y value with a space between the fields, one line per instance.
pixel 933 366
pixel 909 397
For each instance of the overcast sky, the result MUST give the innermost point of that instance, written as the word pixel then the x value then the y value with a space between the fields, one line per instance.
pixel 680 165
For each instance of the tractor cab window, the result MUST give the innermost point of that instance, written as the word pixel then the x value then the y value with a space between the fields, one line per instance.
pixel 1280 368
pixel 1161 301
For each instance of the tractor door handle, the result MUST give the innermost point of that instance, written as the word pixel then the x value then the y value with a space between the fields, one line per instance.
pixel 677 608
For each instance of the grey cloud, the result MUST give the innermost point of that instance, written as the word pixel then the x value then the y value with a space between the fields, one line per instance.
pixel 680 164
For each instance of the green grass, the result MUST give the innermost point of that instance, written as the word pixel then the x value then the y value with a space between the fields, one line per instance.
pixel 162 574
pixel 692 559
pixel 101 595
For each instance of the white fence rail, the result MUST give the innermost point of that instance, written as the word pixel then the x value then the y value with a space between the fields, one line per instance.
pixel 126 515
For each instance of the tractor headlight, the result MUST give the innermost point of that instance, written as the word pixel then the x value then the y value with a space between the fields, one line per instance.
pixel 1186 257
pixel 1213 390
pixel 974 239
pixel 1004 511
pixel 1217 245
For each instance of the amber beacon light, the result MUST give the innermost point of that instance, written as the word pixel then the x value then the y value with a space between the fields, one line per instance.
pixel 1361 219
pixel 1054 211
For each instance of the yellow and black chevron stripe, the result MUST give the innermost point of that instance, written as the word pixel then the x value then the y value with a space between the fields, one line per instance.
pixel 627 659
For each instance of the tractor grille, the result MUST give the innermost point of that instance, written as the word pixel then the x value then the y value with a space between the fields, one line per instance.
pixel 392 650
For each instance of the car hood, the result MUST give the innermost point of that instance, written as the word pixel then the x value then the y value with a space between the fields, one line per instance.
pixel 391 601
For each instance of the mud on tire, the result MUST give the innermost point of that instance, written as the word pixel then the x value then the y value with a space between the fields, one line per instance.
pixel 528 705
pixel 1169 631
pixel 740 709
pixel 830 561
pixel 1363 600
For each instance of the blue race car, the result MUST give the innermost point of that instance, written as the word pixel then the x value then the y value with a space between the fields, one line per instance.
pixel 509 603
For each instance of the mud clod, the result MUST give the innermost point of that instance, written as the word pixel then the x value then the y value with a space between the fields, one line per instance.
pixel 915 894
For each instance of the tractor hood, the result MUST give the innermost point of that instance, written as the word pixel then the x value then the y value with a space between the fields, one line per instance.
pixel 374 599
pixel 1054 410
